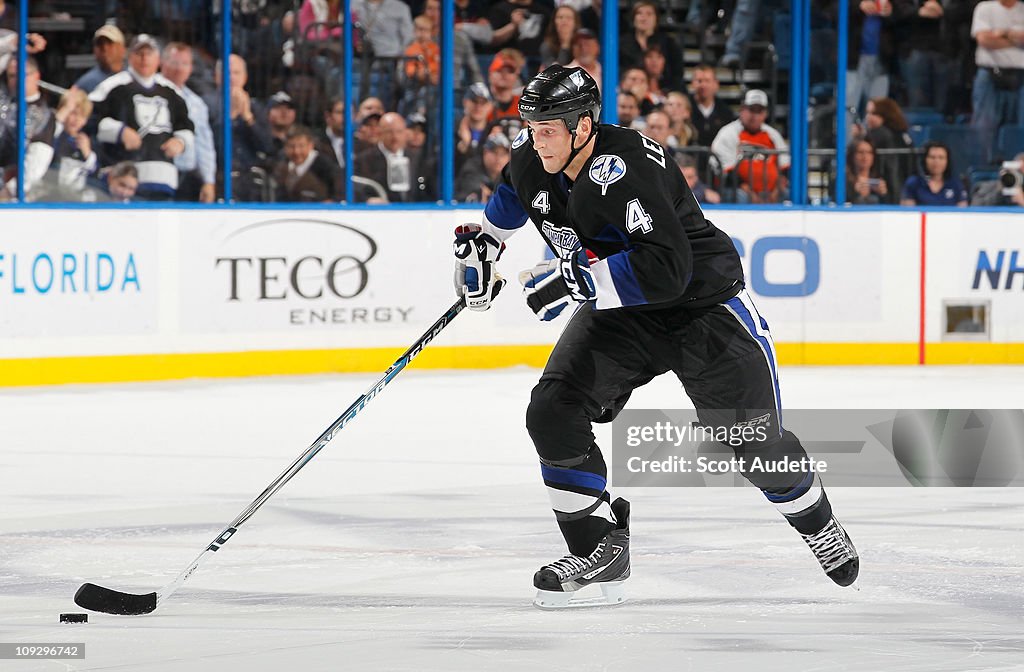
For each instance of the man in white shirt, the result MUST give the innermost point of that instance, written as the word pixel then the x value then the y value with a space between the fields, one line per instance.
pixel 998 95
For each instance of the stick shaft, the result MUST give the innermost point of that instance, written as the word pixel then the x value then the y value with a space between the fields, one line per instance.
pixel 314 448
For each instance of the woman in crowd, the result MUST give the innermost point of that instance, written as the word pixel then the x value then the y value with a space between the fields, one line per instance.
pixel 936 184
pixel 557 46
pixel 682 132
pixel 864 183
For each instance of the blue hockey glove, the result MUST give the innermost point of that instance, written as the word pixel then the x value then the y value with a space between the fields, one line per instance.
pixel 475 256
pixel 551 285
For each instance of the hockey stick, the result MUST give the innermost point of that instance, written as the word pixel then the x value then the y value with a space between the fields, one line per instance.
pixel 97 598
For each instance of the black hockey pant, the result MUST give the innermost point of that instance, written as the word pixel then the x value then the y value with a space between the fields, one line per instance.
pixel 725 359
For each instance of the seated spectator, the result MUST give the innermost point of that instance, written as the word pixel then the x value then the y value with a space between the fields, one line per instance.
pixel 558 41
pixel 994 192
pixel 280 120
pixel 586 54
pixel 417 125
pixel 476 110
pixel 864 183
pixel 370 105
pixel 108 46
pixel 40 127
pixel 368 134
pixel 505 85
pixel 140 115
pixel 760 177
pixel 710 112
pixel 657 125
pixel 519 24
pixel 636 81
pixel 654 66
pixel 682 132
pixel 936 184
pixel 251 147
pixel 479 175
pixel 120 181
pixel 305 175
pixel 332 143
pixel 392 166
pixel 645 33
pixel 628 109
pixel 702 192
pixel 73 158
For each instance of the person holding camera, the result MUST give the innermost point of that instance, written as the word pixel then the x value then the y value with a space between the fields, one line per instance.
pixel 1007 189
pixel 936 184
pixel 864 183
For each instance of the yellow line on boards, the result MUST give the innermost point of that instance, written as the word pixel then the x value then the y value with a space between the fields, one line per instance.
pixel 175 366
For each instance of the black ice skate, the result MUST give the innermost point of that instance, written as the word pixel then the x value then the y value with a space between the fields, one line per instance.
pixel 832 547
pixel 608 567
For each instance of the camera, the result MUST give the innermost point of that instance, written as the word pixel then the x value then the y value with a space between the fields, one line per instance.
pixel 1011 177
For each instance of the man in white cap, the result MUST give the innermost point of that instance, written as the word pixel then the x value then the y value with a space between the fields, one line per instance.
pixel 108 47
pixel 758 174
pixel 139 115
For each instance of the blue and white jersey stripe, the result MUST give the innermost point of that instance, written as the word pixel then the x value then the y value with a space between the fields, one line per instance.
pixel 616 282
pixel 504 214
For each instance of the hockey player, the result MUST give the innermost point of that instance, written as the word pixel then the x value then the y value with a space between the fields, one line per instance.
pixel 657 288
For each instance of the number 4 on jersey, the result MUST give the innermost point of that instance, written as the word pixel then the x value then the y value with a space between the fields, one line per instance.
pixel 637 217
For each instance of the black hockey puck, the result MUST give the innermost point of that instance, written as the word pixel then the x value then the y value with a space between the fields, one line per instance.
pixel 74 618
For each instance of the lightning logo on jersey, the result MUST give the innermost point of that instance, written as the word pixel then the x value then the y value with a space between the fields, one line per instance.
pixel 606 170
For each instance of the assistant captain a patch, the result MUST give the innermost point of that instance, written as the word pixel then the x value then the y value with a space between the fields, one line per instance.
pixel 607 169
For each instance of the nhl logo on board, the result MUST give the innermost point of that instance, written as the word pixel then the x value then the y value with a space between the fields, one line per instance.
pixel 607 169
pixel 521 138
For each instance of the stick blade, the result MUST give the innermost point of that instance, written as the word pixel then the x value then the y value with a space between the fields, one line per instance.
pixel 107 601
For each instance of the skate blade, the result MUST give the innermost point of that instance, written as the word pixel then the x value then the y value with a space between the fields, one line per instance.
pixel 612 593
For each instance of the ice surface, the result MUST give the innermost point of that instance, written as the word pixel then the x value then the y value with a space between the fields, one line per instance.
pixel 409 543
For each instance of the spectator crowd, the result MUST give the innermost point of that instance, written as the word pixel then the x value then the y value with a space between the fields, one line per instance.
pixel 934 90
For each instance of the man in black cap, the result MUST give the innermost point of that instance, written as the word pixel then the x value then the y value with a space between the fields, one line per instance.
pixel 280 119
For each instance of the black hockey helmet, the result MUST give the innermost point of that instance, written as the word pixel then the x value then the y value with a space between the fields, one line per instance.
pixel 561 93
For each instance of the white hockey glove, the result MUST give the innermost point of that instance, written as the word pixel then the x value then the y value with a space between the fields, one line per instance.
pixel 475 256
pixel 551 285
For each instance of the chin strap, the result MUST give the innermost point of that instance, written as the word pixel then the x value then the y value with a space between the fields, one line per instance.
pixel 576 150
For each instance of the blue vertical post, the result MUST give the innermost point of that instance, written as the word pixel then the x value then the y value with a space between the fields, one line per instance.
pixel 609 60
pixel 22 58
pixel 348 93
pixel 447 101
pixel 225 78
pixel 843 28
pixel 798 103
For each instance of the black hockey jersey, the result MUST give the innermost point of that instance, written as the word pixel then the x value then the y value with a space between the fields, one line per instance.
pixel 156 111
pixel 631 207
